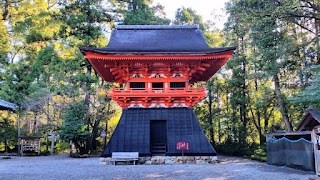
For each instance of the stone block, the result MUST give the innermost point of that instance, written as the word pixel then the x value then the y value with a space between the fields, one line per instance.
pixel 104 163
pixel 162 161
pixel 156 162
pixel 184 158
pixel 169 157
pixel 142 160
pixel 154 159
pixel 191 162
pixel 168 161
pixel 201 162
pixel 204 157
pixel 149 162
pixel 176 160
pixel 191 158
pixel 214 158
pixel 213 162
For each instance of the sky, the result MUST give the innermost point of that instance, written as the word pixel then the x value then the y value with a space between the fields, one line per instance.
pixel 208 9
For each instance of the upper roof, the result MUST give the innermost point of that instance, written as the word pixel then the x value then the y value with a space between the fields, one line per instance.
pixel 157 39
pixel 4 105
pixel 311 119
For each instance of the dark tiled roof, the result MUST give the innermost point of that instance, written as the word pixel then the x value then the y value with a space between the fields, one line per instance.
pixel 153 38
pixel 4 105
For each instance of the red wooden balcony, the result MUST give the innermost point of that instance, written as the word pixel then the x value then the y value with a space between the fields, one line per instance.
pixel 148 97
pixel 158 92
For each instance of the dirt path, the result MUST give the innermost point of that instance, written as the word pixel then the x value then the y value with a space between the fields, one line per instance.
pixel 63 167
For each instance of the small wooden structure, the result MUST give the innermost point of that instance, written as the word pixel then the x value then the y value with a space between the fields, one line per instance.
pixel 311 122
pixel 30 143
pixel 125 157
pixel 309 130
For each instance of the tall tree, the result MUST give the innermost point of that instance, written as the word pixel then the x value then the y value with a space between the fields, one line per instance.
pixel 141 12
pixel 82 26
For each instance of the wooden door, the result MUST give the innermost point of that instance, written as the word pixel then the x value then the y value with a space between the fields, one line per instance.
pixel 158 136
pixel 158 132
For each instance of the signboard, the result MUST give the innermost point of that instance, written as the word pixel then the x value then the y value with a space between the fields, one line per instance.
pixel 182 145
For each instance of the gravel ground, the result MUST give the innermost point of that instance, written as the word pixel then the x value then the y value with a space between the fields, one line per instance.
pixel 63 167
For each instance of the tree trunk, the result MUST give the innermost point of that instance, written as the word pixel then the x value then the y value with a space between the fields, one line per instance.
pixel 281 105
pixel 317 26
pixel 106 127
pixel 34 123
pixel 261 140
pixel 243 106
pixel 87 96
pixel 5 145
pixel 6 11
pixel 87 103
pixel 244 122
pixel 211 131
pixel 228 110
pixel 218 115
pixel 48 110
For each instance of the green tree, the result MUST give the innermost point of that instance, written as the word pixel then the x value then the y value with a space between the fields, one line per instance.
pixel 74 126
pixel 140 12
pixel 188 16
pixel 308 96
pixel 8 132
pixel 82 26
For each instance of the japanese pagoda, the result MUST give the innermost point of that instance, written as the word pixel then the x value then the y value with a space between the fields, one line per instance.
pixel 157 64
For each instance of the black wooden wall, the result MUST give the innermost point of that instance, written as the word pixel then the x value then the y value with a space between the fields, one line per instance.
pixel 132 134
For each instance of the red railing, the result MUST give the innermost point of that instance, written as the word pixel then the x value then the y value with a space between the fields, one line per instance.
pixel 157 90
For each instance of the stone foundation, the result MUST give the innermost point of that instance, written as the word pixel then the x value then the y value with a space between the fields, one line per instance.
pixel 157 160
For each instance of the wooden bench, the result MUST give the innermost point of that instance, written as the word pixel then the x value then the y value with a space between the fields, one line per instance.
pixel 125 157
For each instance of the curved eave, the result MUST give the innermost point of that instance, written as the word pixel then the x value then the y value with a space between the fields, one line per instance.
pixel 110 52
pixel 193 56
pixel 102 63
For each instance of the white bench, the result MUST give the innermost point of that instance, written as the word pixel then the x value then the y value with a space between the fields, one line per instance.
pixel 125 157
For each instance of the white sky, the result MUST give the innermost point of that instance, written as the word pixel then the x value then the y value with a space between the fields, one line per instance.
pixel 208 9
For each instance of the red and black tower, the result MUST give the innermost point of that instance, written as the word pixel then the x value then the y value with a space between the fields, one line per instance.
pixel 157 64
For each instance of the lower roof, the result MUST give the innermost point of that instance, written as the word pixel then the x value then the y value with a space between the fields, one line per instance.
pixel 201 68
pixel 4 105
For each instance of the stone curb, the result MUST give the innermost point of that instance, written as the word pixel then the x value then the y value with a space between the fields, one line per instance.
pixel 167 160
